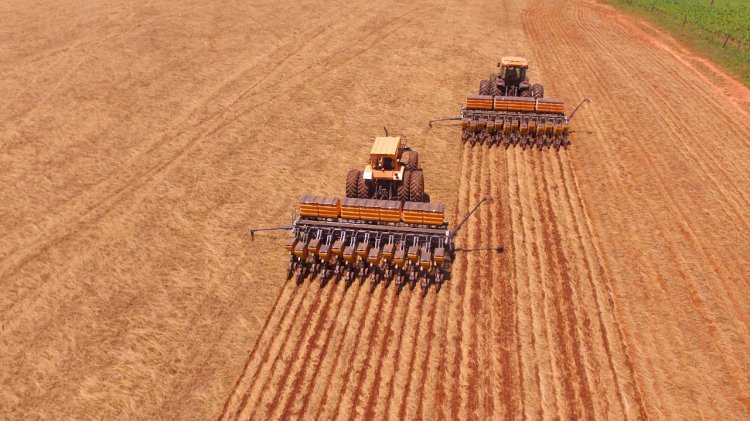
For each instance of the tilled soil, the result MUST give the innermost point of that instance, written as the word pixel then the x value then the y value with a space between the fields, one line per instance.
pixel 141 140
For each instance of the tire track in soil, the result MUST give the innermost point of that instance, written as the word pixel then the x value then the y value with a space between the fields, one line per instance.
pixel 214 94
pixel 446 372
pixel 309 376
pixel 93 214
pixel 98 39
pixel 103 206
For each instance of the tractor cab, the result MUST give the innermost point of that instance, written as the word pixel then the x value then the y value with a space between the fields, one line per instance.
pixel 512 72
pixel 384 159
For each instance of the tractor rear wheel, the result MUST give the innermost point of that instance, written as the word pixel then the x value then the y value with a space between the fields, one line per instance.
pixel 403 188
pixel 416 186
pixel 493 86
pixel 537 91
pixel 364 190
pixel 484 87
pixel 352 183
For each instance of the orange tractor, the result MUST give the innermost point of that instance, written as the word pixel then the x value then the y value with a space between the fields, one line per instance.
pixel 383 229
pixel 509 111
pixel 393 173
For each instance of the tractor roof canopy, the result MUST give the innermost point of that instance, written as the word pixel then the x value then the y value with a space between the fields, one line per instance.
pixel 510 61
pixel 386 146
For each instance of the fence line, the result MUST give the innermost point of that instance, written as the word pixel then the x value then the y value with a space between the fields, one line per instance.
pixel 723 38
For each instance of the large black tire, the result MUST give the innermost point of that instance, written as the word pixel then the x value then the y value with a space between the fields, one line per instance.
pixel 493 86
pixel 537 91
pixel 364 190
pixel 412 160
pixel 352 183
pixel 484 87
pixel 403 188
pixel 416 186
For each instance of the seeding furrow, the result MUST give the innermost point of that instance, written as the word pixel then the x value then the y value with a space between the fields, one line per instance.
pixel 446 385
pixel 375 395
pixel 369 377
pixel 278 321
pixel 468 362
pixel 508 384
pixel 567 306
pixel 444 376
pixel 288 335
pixel 412 401
pixel 482 304
pixel 322 366
pixel 535 397
pixel 300 359
pixel 404 363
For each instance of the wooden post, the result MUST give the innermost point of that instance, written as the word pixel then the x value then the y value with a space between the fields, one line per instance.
pixel 684 21
pixel 725 41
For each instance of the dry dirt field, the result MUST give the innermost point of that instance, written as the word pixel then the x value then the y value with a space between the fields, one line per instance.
pixel 140 140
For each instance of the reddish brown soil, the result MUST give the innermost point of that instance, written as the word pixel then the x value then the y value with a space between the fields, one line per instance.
pixel 140 141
